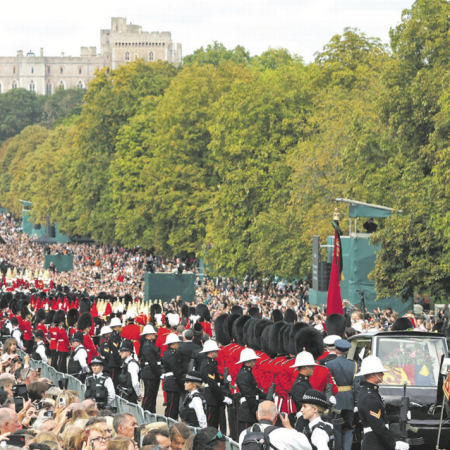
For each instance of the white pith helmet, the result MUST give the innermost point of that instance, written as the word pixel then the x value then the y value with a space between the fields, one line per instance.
pixel 148 329
pixel 371 364
pixel 115 322
pixel 105 330
pixel 304 359
pixel 172 338
pixel 210 346
pixel 248 354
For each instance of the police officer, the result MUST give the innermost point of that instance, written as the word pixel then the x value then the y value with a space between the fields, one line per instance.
pixel 151 369
pixel 305 364
pixel 213 393
pixel 319 433
pixel 99 386
pixel 372 412
pixel 193 411
pixel 16 333
pixel 129 388
pixel 78 366
pixel 173 383
pixel 343 371
pixel 250 394
pixel 115 362
pixel 39 353
pixel 104 349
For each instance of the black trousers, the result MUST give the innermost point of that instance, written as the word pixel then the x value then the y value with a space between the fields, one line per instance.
pixel 28 346
pixel 62 362
pixel 371 442
pixel 115 372
pixel 54 355
pixel 243 426
pixel 173 404
pixel 151 388
pixel 343 434
pixel 213 416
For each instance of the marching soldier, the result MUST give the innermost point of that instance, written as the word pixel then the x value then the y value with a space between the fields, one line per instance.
pixel 372 412
pixel 248 388
pixel 132 331
pixel 343 371
pixel 62 344
pixel 72 318
pixel 39 351
pixel 115 362
pixel 129 375
pixel 104 349
pixel 40 319
pixel 27 330
pixel 213 393
pixel 173 383
pixel 85 325
pixel 53 338
pixel 99 386
pixel 151 369
pixel 78 366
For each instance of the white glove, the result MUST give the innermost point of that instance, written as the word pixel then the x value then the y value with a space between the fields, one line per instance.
pixel 333 400
pixel 399 445
pixel 408 415
pixel 229 378
pixel 228 400
pixel 355 409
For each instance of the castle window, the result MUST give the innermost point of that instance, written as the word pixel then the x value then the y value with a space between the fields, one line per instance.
pixel 127 56
pixel 32 70
pixel 49 89
pixel 164 44
pixel 80 85
pixel 14 84
pixel 135 57
pixel 79 70
pixel 61 84
pixel 32 86
pixel 14 70
pixel 150 56
pixel 61 70
pixel 48 69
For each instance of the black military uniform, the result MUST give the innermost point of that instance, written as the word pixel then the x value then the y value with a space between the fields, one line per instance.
pixel 299 388
pixel 186 351
pixel 173 383
pixel 115 362
pixel 97 386
pixel 213 393
pixel 372 413
pixel 104 350
pixel 250 397
pixel 151 370
pixel 198 358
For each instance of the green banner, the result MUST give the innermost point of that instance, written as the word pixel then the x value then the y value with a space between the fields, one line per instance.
pixel 166 286
pixel 64 263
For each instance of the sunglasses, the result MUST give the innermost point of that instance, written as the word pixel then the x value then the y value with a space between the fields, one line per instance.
pixel 217 437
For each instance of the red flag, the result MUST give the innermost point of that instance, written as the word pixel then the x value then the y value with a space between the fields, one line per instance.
pixel 334 299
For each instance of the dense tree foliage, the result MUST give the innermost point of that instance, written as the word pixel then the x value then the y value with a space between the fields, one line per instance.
pixel 239 157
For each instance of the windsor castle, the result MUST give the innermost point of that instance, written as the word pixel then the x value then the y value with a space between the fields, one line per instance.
pixel 119 45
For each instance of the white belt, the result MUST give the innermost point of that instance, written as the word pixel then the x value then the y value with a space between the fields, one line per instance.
pixel 369 429
pixel 243 399
pixel 168 374
pixel 206 385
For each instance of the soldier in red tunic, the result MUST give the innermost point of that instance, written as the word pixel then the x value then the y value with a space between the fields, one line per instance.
pixel 40 325
pixel 27 330
pixel 53 337
pixel 132 331
pixel 85 325
pixel 63 344
pixel 72 318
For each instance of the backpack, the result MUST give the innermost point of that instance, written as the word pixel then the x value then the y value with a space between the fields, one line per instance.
pixel 257 439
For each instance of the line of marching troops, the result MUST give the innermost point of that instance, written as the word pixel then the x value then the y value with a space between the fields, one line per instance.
pixel 250 360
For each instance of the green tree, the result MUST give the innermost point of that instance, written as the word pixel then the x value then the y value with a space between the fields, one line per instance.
pixel 217 53
pixel 275 58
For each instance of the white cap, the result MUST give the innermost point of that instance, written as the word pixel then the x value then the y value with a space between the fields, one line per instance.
pixel 105 330
pixel 172 338
pixel 173 319
pixel 371 364
pixel 131 314
pixel 115 322
pixel 304 359
pixel 330 340
pixel 248 354
pixel 210 346
pixel 148 329
pixel 357 327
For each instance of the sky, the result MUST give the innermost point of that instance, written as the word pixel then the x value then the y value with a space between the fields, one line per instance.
pixel 302 26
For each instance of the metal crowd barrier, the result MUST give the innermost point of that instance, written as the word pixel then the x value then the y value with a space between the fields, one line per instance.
pixel 142 417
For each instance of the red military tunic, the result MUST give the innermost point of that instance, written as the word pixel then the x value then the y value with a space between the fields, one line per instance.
pixel 43 328
pixel 132 332
pixel 53 332
pixel 62 340
pixel 90 347
pixel 161 339
pixel 27 330
pixel 206 328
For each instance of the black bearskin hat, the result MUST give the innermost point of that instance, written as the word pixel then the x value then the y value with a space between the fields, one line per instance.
pixel 60 316
pixel 238 329
pixel 185 311
pixel 14 305
pixel 294 331
pixel 97 321
pixel 254 312
pixel 290 316
pixel 85 305
pixel 72 317
pixel 192 310
pixel 49 318
pixel 228 325
pixel 236 309
pixel 402 324
pixel 84 321
pixel 221 336
pixel 311 340
pixel 274 331
pixel 25 312
pixel 249 332
pixel 203 311
pixel 40 315
pixel 277 315
pixel 155 309
pixel 259 329
pixel 8 297
pixel 286 337
pixel 197 329
pixel 102 295
pixel 280 349
pixel 66 289
pixel 265 338
pixel 335 324
pixel 3 303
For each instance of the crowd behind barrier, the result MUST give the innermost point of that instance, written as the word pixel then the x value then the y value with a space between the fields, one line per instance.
pixel 142 417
